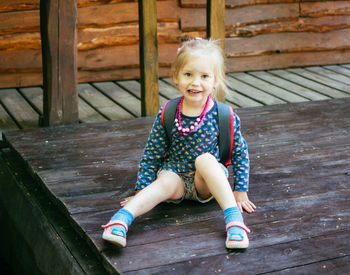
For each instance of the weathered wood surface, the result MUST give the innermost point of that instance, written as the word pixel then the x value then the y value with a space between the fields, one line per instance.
pixel 216 28
pixel 148 57
pixel 260 34
pixel 300 155
pixel 59 61
pixel 102 101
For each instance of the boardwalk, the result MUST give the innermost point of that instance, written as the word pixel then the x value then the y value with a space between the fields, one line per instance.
pixel 98 102
pixel 65 181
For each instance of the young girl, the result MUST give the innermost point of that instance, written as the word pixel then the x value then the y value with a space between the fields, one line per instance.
pixel 189 168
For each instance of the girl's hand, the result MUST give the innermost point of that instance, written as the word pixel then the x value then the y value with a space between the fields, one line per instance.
pixel 124 202
pixel 243 202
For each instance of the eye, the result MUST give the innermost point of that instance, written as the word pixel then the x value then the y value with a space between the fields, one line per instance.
pixel 188 74
pixel 205 76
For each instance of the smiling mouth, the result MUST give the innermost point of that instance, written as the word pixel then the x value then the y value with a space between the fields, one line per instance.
pixel 194 91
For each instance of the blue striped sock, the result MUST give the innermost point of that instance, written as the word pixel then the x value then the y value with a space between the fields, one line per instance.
pixel 233 214
pixel 122 215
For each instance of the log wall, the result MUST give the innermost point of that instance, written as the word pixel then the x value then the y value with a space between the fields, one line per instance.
pixel 260 34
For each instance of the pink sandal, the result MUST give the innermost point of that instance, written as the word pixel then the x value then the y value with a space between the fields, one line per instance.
pixel 109 236
pixel 233 244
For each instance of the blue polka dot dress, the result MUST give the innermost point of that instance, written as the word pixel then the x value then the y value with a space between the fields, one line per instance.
pixel 180 156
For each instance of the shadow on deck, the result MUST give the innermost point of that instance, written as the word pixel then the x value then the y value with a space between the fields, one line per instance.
pixel 300 181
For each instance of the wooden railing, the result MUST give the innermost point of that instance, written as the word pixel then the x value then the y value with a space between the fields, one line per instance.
pixel 58 27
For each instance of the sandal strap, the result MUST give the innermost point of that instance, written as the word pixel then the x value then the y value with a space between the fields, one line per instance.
pixel 238 224
pixel 116 222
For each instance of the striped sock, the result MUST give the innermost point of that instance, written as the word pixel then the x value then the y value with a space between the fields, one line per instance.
pixel 233 214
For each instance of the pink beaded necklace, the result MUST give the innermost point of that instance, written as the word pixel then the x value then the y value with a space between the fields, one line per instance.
pixel 197 123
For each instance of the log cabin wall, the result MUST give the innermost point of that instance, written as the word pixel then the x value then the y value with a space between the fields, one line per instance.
pixel 260 34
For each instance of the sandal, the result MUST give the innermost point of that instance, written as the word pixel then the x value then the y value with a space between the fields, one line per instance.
pixel 113 238
pixel 234 244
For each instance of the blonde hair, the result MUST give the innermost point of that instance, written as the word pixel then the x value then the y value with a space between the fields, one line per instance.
pixel 209 49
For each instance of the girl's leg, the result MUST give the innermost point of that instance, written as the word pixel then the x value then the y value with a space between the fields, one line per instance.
pixel 167 186
pixel 209 180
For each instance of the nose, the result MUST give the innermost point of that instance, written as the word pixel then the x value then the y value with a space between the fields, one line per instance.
pixel 196 81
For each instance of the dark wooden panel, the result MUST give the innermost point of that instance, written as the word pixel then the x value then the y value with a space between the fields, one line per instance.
pixel 59 39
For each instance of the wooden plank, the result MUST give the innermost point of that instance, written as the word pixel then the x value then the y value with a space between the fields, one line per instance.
pixel 339 69
pixel 216 21
pixel 287 85
pixel 134 87
pixel 88 113
pixel 268 88
pixel 283 256
pixel 255 94
pixel 122 97
pixel 286 60
pixel 341 90
pixel 35 96
pixel 333 266
pixel 148 57
pixel 127 34
pixel 321 8
pixel 167 88
pixel 216 28
pixel 119 13
pixel 16 5
pixel 241 100
pixel 100 15
pixel 304 24
pixel 19 108
pixel 301 80
pixel 287 42
pixel 59 55
pixel 6 122
pixel 103 105
pixel 195 18
pixel 326 74
pixel 20 79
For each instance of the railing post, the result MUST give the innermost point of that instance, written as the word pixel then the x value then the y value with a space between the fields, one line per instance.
pixel 148 57
pixel 58 20
pixel 216 26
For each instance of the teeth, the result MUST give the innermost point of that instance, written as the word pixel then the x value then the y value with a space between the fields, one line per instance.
pixel 194 91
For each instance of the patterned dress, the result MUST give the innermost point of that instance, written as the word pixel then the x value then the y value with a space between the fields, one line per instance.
pixel 180 156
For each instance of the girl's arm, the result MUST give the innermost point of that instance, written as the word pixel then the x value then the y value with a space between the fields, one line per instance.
pixel 153 155
pixel 240 162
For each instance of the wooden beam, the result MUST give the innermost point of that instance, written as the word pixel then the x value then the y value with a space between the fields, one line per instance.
pixel 148 57
pixel 216 26
pixel 58 20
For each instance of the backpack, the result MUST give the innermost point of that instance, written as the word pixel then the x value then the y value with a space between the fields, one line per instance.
pixel 225 117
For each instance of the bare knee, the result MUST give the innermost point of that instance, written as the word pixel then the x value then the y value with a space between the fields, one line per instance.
pixel 170 183
pixel 204 160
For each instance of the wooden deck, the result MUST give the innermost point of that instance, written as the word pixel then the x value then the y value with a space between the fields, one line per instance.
pixel 70 180
pixel 21 108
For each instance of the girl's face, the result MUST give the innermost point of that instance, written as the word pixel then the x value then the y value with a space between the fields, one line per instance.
pixel 196 80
